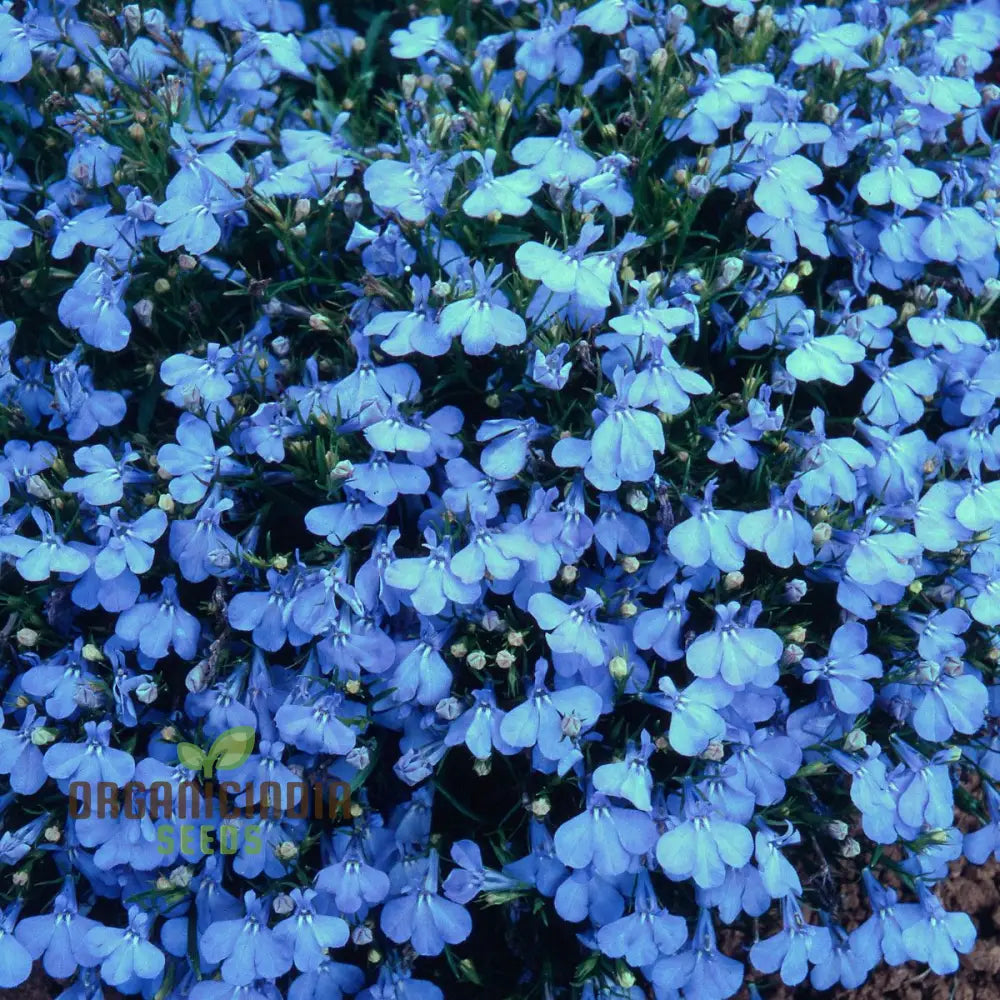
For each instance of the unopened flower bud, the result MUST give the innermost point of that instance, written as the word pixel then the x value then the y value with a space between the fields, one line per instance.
pixel 822 533
pixel 568 574
pixel 626 978
pixel 855 740
pixel 358 45
pixel 26 637
pixel 658 60
pixel 161 286
pixel 789 283
pixel 797 635
pixel 166 503
pixel 540 807
pixel 448 709
pixel 731 269
pixel 715 751
pixel 637 500
pixel 630 564
pixel 837 829
pixel 476 659
pixel 143 310
pixel 343 469
pixel 482 768
pixel 283 903
pixel 353 686
pixel 792 654
pixel 19 880
pixel 493 401
pixel 181 876
pixel 850 848
pixel 303 206
pixel 618 668
pixel 505 659
pixel 515 639
pixel 458 649
pixel 628 610
pixel 286 850
pixel 732 580
pixel 42 736
pixel 147 692
pixel 362 935
pixel 795 590
pixel 186 262
pixel 698 187
pixel 492 622
pixel 741 24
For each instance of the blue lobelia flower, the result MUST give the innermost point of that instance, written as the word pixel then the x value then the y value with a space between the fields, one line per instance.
pixel 199 546
pixel 91 761
pixel 631 778
pixel 539 721
pixel 694 717
pixel 870 792
pixel 57 938
pixel 127 545
pixel 794 947
pixel 709 535
pixel 422 917
pixel 315 727
pixel 309 933
pixel 936 936
pixel 471 877
pixel 247 948
pixel 106 476
pixel 781 532
pixel 738 652
pixel 509 194
pixel 703 843
pixel 925 789
pixel 20 758
pixel 15 958
pixel 978 845
pixel 353 881
pixel 950 699
pixel 645 935
pixel 570 628
pixel 550 50
pixel 93 305
pixel 479 728
pixel 482 321
pixel 37 558
pixel 606 836
pixel 429 581
pixel 778 875
pixel 847 668
pixel 159 624
pixel 126 955
pixel 700 969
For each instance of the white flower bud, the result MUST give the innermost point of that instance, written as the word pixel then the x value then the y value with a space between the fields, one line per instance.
pixel 26 637
pixel 283 903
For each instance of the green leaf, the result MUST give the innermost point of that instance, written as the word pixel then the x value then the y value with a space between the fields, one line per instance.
pixel 190 756
pixel 231 749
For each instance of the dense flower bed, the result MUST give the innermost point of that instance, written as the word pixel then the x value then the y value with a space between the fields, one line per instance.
pixel 574 429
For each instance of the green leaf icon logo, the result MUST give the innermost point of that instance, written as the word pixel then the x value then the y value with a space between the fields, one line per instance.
pixel 231 749
pixel 190 756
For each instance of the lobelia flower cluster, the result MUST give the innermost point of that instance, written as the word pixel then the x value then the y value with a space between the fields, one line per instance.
pixel 574 426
